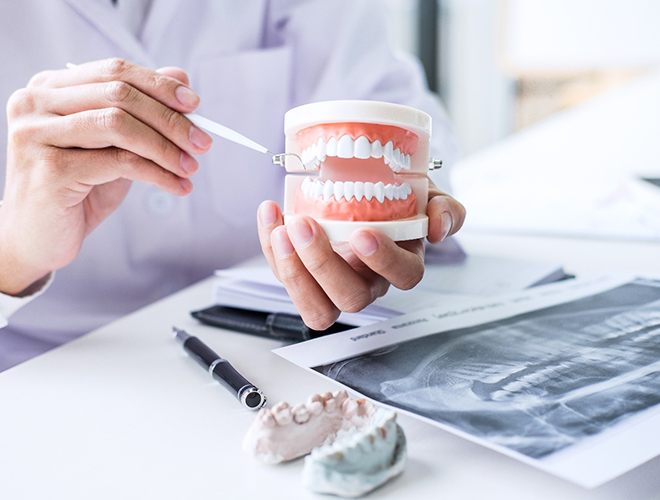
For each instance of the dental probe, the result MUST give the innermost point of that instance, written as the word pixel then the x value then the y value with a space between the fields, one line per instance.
pixel 238 138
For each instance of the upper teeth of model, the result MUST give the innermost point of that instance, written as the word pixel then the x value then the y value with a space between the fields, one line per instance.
pixel 320 189
pixel 347 147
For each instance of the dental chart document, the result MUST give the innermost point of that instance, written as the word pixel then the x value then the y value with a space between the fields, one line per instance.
pixel 564 377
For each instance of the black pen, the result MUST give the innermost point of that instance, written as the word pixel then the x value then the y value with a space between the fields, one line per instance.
pixel 221 370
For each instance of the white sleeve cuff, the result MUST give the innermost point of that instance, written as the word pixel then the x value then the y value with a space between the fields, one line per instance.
pixel 10 304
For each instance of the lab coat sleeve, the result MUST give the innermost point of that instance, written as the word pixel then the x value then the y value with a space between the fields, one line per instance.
pixel 10 304
pixel 341 50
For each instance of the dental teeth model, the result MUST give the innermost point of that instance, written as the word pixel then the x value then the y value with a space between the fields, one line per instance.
pixel 360 164
pixel 355 446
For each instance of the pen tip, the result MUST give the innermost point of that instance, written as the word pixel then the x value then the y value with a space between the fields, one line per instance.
pixel 180 334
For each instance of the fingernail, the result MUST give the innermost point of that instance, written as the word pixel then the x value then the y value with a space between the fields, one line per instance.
pixel 447 222
pixel 365 243
pixel 301 232
pixel 199 139
pixel 186 96
pixel 267 214
pixel 186 185
pixel 188 163
pixel 282 247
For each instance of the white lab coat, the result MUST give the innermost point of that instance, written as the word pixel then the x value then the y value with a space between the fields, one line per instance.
pixel 250 62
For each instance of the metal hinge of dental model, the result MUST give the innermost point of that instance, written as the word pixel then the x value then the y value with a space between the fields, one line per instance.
pixel 435 164
pixel 279 159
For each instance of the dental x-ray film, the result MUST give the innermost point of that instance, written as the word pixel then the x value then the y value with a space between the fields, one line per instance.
pixel 543 375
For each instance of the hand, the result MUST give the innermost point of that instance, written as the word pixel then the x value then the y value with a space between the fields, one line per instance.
pixel 324 279
pixel 77 138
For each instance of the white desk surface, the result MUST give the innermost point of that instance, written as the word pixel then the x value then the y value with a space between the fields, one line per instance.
pixel 124 413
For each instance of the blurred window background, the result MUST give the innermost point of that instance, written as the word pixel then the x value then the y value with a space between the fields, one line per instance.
pixel 502 65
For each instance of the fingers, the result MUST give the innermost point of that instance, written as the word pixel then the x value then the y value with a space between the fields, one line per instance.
pixel 108 127
pixel 446 215
pixel 346 288
pixel 269 216
pixel 176 73
pixel 168 122
pixel 99 166
pixel 315 307
pixel 165 89
pixel 401 264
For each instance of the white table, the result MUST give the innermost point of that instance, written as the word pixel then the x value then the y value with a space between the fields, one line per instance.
pixel 124 413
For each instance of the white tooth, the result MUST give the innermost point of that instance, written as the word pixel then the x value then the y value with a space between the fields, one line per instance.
pixel 331 147
pixel 379 191
pixel 358 190
pixel 389 191
pixel 320 149
pixel 388 153
pixel 345 147
pixel 389 149
pixel 339 190
pixel 407 162
pixel 368 190
pixel 328 190
pixel 300 414
pixel 362 147
pixel 315 407
pixel 376 149
pixel 348 190
pixel 399 159
pixel 318 189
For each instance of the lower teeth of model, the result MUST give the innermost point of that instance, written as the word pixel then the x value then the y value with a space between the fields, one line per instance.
pixel 348 190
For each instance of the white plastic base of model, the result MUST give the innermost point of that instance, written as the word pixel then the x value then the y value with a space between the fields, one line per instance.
pixel 412 228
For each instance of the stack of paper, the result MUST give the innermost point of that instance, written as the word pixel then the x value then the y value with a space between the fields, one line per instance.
pixel 255 287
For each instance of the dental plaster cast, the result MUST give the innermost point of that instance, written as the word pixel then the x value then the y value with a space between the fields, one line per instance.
pixel 359 164
pixel 355 446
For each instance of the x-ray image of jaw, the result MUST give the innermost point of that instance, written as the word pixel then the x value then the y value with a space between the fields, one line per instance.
pixel 359 164
pixel 535 383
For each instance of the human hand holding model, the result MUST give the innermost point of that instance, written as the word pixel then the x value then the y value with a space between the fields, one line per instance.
pixel 77 139
pixel 357 203
pixel 324 278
